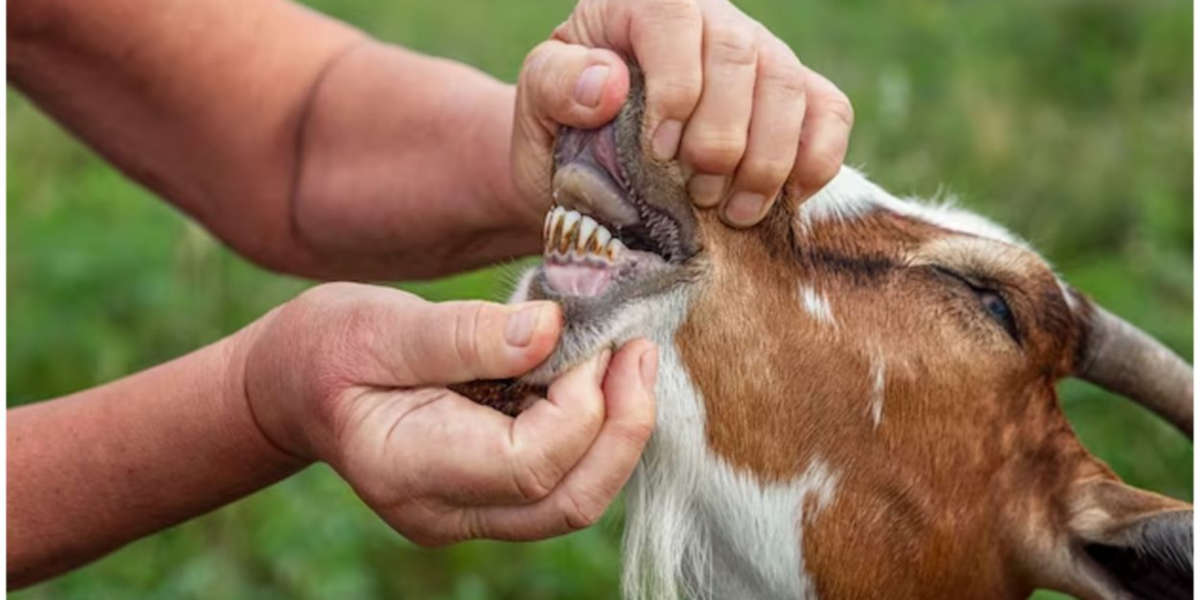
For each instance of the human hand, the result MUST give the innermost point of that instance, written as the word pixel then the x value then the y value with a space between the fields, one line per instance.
pixel 723 94
pixel 354 374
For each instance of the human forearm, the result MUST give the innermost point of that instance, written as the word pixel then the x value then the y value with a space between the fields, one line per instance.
pixel 407 156
pixel 199 101
pixel 303 144
pixel 93 471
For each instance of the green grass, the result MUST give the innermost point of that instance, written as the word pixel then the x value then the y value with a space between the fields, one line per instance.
pixel 1069 120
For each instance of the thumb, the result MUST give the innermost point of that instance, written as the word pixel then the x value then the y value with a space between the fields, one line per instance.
pixel 454 342
pixel 565 84
pixel 561 84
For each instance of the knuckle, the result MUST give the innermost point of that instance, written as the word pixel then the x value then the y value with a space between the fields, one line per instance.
pixel 675 12
pixel 733 45
pixel 841 108
pixel 818 169
pixel 465 331
pixel 532 486
pixel 535 58
pixel 765 174
pixel 786 77
pixel 431 529
pixel 580 512
pixel 680 92
pixel 715 151
pixel 542 81
pixel 586 406
pixel 636 434
pixel 535 481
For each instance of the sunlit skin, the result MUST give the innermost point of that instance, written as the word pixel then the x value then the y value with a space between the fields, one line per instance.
pixel 312 149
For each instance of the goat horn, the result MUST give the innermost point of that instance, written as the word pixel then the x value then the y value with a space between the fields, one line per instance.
pixel 1122 359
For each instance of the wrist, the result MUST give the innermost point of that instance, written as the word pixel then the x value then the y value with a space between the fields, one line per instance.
pixel 257 405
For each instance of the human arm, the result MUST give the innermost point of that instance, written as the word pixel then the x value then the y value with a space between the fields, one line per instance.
pixel 217 105
pixel 94 470
pixel 347 374
pixel 312 149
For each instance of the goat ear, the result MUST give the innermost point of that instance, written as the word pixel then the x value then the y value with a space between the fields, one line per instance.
pixel 1125 542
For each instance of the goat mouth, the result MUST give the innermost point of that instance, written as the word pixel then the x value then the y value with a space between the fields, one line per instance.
pixel 600 232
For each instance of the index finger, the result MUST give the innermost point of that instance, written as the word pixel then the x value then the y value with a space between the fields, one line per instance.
pixel 665 37
pixel 497 459
pixel 591 486
pixel 825 138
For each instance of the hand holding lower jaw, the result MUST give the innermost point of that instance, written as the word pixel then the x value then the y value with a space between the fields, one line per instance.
pixel 354 375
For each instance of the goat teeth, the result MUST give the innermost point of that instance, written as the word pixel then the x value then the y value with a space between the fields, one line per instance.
pixel 613 249
pixel 576 236
pixel 587 227
pixel 596 242
pixel 570 231
pixel 556 227
pixel 601 239
pixel 571 219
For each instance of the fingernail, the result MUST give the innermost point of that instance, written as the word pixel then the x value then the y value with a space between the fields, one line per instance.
pixel 665 142
pixel 519 330
pixel 590 86
pixel 648 366
pixel 745 208
pixel 707 190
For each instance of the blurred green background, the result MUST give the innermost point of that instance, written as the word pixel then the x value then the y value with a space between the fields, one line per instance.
pixel 1069 120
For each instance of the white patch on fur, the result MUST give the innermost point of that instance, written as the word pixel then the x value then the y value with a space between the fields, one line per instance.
pixel 695 524
pixel 851 195
pixel 878 377
pixel 757 532
pixel 817 304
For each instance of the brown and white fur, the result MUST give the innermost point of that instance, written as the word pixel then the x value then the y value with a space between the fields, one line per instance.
pixel 843 410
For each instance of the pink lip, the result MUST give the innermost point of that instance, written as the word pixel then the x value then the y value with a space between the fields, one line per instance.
pixel 578 280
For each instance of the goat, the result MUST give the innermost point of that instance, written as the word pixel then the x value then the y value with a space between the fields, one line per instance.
pixel 856 398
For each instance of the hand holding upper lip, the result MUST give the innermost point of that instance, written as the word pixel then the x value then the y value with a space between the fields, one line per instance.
pixel 724 96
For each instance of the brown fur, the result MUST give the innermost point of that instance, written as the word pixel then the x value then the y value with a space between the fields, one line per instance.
pixel 972 484
pixel 972 442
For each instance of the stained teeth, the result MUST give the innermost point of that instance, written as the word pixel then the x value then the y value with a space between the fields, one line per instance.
pixel 587 226
pixel 556 225
pixel 571 220
pixel 602 238
pixel 570 233
pixel 614 248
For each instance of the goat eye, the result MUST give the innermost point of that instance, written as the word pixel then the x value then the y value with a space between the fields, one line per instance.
pixel 990 300
pixel 998 310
